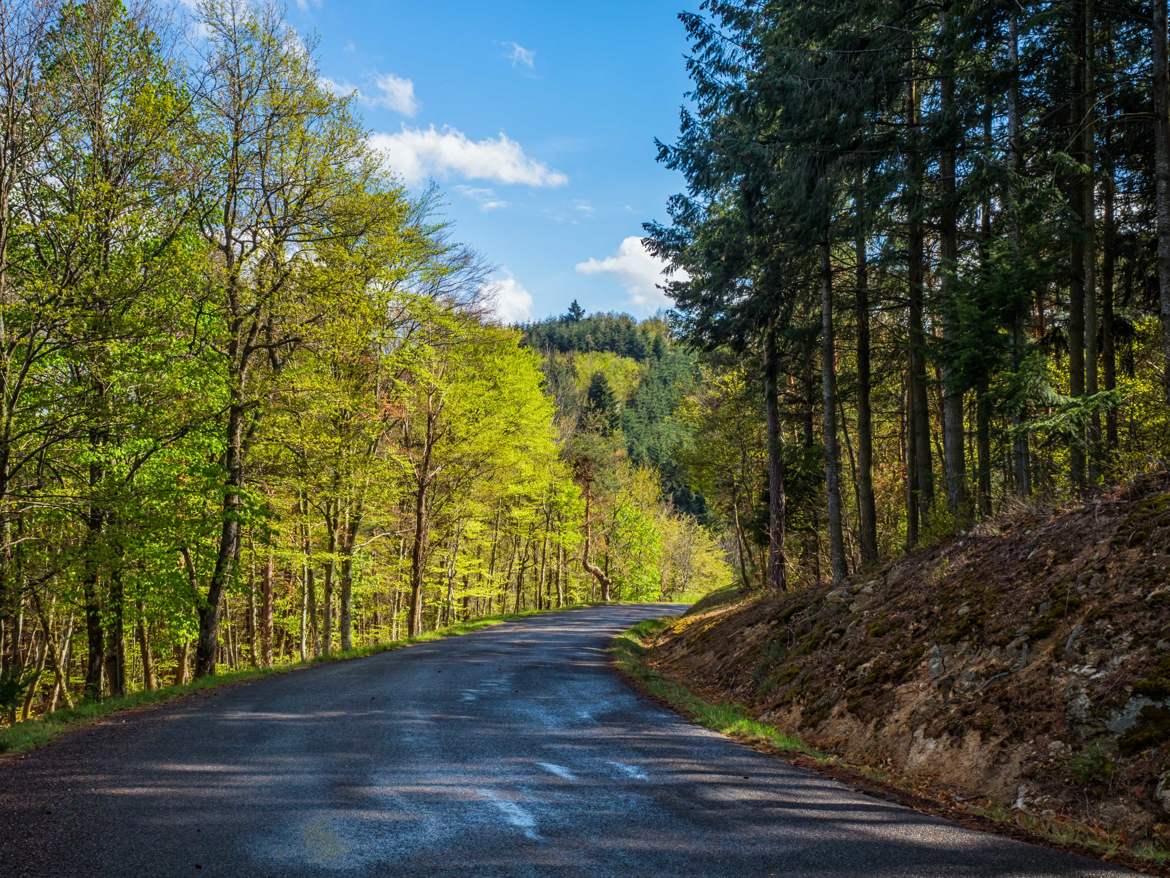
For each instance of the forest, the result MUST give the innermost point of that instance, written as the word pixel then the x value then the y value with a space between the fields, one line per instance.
pixel 925 249
pixel 253 407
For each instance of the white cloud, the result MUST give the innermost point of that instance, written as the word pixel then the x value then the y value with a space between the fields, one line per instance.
pixel 338 87
pixel 518 55
pixel 417 153
pixel 484 197
pixel 637 270
pixel 394 93
pixel 397 93
pixel 509 301
pixel 582 207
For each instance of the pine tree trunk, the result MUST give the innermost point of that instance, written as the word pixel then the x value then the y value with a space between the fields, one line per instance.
pixel 1161 95
pixel 922 481
pixel 829 400
pixel 954 454
pixel 811 550
pixel 1108 283
pixel 1074 186
pixel 1088 226
pixel 867 508
pixel 1021 463
pixel 776 561
pixel 983 450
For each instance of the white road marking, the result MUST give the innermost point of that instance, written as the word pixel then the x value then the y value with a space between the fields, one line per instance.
pixel 558 770
pixel 630 771
pixel 513 813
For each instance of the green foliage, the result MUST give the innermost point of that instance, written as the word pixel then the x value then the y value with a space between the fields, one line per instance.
pixel 601 408
pixel 1092 766
pixel 617 334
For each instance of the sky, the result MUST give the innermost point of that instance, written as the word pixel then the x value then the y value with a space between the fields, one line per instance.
pixel 536 118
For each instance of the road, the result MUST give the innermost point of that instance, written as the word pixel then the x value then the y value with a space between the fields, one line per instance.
pixel 511 751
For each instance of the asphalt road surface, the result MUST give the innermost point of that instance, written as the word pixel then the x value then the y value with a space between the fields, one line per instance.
pixel 511 751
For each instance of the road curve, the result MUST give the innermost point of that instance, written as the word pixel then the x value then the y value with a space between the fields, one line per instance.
pixel 511 751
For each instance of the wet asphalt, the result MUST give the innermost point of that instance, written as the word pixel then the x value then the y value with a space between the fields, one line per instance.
pixel 515 750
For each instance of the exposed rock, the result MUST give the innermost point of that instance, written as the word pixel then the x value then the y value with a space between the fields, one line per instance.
pixel 1162 791
pixel 1125 719
pixel 936 664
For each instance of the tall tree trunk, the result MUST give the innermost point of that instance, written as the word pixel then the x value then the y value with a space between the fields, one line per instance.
pixel 149 677
pixel 418 548
pixel 592 569
pixel 922 482
pixel 1089 232
pixel 908 455
pixel 867 507
pixel 1161 96
pixel 1075 185
pixel 983 402
pixel 115 658
pixel 418 551
pixel 331 524
pixel 182 654
pixel 777 572
pixel 983 449
pixel 811 551
pixel 229 536
pixel 954 455
pixel 829 399
pixel 267 602
pixel 560 574
pixel 1108 283
pixel 1021 463
pixel 349 538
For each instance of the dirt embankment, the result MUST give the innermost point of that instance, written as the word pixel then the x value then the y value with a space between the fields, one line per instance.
pixel 1025 663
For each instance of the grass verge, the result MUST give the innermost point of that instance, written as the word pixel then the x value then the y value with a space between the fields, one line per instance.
pixel 33 733
pixel 630 651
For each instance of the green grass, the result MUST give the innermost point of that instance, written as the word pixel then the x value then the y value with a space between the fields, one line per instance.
pixel 630 650
pixel 34 733
pixel 711 599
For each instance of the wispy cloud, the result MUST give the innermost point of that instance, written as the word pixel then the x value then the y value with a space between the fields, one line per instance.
pixel 484 197
pixel 509 301
pixel 519 56
pixel 389 92
pixel 396 93
pixel 418 153
pixel 637 270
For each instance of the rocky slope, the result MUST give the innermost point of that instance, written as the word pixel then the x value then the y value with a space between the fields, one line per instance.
pixel 1025 663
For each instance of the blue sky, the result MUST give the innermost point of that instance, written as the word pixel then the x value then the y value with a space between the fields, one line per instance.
pixel 536 119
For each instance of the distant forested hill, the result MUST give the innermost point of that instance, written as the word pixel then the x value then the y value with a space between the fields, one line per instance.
pixel 639 373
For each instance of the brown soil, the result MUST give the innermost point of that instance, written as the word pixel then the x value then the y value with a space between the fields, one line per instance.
pixel 1025 663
